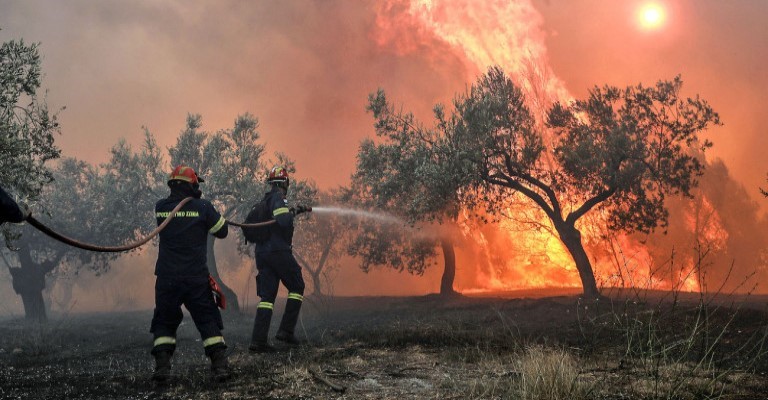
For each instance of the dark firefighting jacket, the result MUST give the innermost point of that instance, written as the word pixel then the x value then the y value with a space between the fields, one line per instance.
pixel 183 243
pixel 281 232
pixel 9 210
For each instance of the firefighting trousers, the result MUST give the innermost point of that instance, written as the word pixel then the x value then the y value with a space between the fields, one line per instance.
pixel 195 294
pixel 273 268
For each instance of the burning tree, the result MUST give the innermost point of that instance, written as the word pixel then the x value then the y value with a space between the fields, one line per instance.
pixel 622 151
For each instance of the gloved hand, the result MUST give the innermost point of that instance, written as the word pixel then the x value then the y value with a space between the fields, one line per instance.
pixel 24 208
pixel 218 295
pixel 301 209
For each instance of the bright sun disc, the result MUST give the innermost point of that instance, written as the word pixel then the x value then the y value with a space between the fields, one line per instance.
pixel 652 16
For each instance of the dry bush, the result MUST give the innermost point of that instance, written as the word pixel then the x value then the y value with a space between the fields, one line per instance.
pixel 674 344
pixel 549 374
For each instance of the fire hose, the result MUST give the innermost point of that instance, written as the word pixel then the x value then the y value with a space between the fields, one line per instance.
pixel 113 249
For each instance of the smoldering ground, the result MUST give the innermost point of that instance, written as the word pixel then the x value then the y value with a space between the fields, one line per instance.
pixel 417 347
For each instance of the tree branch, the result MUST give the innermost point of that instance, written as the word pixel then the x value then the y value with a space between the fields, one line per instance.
pixel 589 204
pixel 513 184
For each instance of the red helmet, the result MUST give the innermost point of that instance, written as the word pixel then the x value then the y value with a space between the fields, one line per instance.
pixel 186 174
pixel 278 174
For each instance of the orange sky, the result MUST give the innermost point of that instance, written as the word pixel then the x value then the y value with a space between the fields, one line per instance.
pixel 305 68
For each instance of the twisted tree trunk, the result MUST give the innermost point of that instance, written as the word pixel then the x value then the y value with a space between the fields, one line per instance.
pixel 449 272
pixel 28 282
pixel 571 238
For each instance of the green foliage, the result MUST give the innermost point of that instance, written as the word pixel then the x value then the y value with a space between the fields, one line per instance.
pixel 400 175
pixel 623 150
pixel 230 161
pixel 129 184
pixel 630 148
pixel 404 174
pixel 26 126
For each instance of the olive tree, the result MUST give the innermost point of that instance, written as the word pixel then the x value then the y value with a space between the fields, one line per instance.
pixel 27 127
pixel 320 238
pixel 231 162
pixel 27 133
pixel 397 174
pixel 396 243
pixel 106 205
pixel 622 151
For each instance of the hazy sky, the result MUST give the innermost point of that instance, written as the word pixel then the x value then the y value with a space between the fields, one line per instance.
pixel 305 68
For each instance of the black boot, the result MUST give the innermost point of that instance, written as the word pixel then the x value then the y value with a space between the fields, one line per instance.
pixel 261 347
pixel 162 366
pixel 288 323
pixel 259 343
pixel 287 337
pixel 220 365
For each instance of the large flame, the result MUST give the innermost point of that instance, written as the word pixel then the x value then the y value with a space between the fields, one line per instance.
pixel 521 251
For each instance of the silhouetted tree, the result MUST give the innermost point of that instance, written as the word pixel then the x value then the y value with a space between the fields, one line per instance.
pixel 319 239
pixel 27 131
pixel 107 205
pixel 721 232
pixel 398 175
pixel 392 244
pixel 621 150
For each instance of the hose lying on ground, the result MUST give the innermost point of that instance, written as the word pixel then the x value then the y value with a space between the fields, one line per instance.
pixel 113 249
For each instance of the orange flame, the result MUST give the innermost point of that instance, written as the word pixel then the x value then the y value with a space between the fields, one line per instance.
pixel 512 254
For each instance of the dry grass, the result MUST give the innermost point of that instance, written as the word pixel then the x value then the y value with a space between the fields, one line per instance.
pixel 415 348
pixel 550 374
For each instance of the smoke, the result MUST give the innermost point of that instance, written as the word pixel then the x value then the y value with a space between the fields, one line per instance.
pixel 305 68
pixel 512 35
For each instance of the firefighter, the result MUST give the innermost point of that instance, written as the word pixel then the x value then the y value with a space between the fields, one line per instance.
pixel 10 211
pixel 182 274
pixel 275 263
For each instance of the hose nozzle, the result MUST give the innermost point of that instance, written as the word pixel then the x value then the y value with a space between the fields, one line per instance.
pixel 302 209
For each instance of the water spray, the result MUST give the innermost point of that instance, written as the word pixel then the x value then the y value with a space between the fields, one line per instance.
pixel 390 219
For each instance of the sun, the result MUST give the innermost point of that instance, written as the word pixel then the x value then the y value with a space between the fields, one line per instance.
pixel 652 16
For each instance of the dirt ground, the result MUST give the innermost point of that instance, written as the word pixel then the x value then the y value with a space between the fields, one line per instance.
pixel 626 346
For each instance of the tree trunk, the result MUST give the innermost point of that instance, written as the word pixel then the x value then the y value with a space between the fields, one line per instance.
pixel 29 282
pixel 313 273
pixel 571 238
pixel 316 285
pixel 449 273
pixel 232 303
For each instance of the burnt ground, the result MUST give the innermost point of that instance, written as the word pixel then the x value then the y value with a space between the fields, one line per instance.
pixel 628 346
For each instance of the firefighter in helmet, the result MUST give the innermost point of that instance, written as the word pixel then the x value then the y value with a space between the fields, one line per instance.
pixel 275 263
pixel 10 211
pixel 182 274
